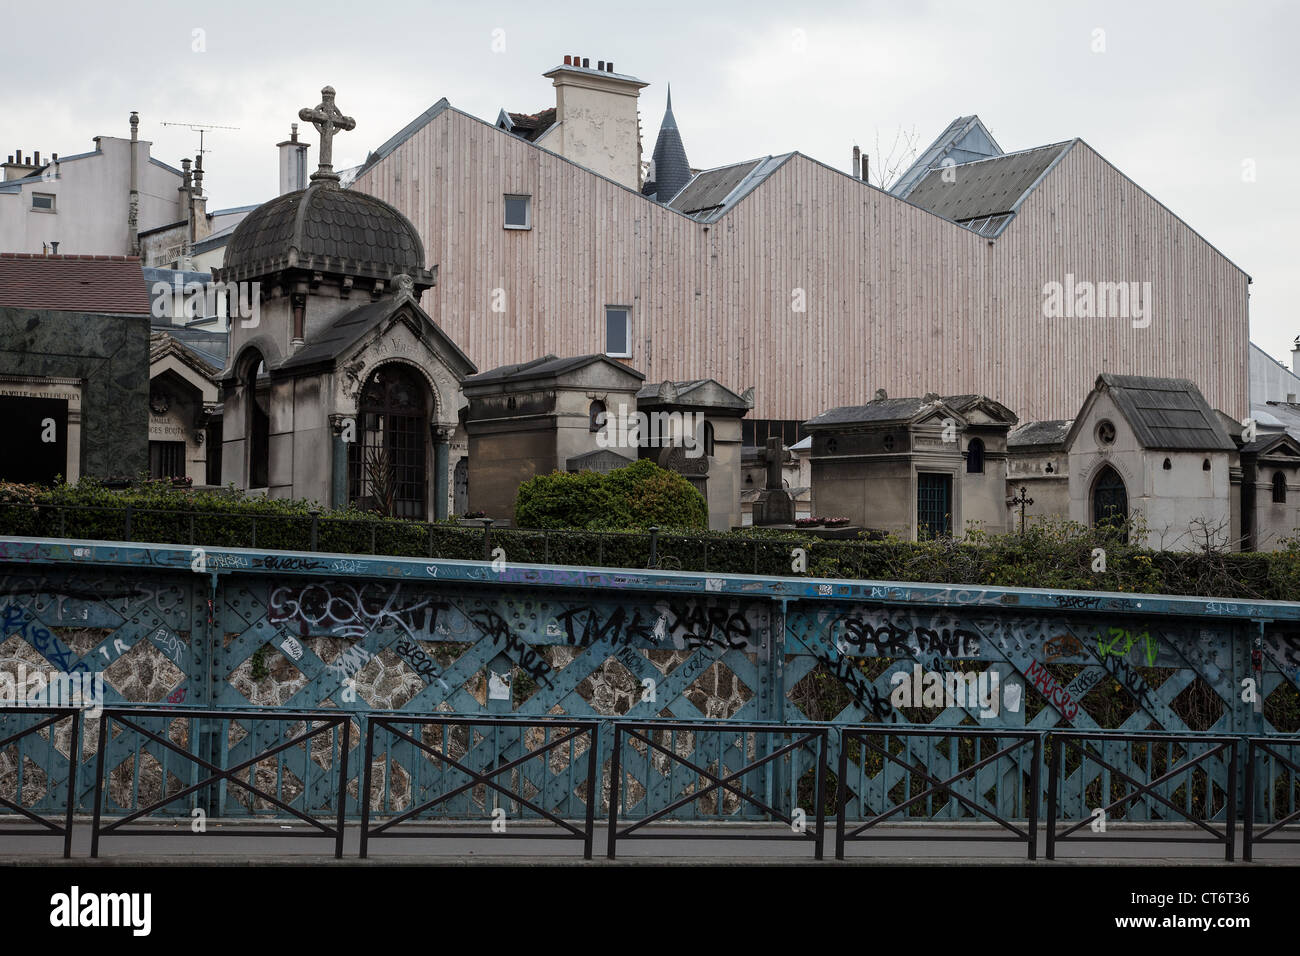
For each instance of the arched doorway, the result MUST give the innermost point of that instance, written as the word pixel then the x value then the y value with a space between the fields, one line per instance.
pixel 461 487
pixel 257 419
pixel 1109 498
pixel 388 464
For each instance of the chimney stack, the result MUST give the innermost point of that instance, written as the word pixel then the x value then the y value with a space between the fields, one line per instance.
pixel 133 197
pixel 293 162
pixel 17 167
pixel 1295 355
pixel 857 163
pixel 596 121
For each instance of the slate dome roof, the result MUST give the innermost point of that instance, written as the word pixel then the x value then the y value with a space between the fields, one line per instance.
pixel 326 229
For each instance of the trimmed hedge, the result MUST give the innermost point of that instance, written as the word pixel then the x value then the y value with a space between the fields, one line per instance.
pixel 1059 555
pixel 642 495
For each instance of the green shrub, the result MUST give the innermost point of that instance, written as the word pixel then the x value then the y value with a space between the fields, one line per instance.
pixel 562 500
pixel 636 497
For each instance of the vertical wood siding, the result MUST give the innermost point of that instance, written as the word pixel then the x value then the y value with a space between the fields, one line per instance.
pixel 896 297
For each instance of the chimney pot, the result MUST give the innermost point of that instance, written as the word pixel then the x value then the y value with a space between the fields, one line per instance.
pixel 37 160
pixel 54 247
pixel 586 63
pixel 609 67
pixel 54 157
pixel 600 65
pixel 568 60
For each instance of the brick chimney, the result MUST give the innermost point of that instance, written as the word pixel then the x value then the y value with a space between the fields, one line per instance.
pixel 596 112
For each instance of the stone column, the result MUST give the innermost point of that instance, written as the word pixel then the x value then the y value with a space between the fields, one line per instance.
pixel 441 439
pixel 342 429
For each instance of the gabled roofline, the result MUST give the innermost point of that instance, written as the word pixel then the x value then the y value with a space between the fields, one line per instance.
pixel 970 120
pixel 443 106
pixel 171 169
pixel 1183 222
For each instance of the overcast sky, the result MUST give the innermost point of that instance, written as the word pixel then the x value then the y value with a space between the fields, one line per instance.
pixel 1186 97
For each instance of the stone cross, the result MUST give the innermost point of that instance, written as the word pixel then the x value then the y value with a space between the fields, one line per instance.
pixel 328 120
pixel 1022 499
pixel 773 457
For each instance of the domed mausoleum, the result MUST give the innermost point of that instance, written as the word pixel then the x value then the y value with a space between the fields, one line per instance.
pixel 340 388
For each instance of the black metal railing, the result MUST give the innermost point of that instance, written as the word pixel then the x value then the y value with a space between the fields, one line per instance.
pixel 50 825
pixel 486 776
pixel 642 732
pixel 866 737
pixel 1175 774
pixel 466 539
pixel 1276 819
pixel 126 719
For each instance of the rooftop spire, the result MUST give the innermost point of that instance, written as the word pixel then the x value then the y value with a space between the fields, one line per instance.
pixel 670 169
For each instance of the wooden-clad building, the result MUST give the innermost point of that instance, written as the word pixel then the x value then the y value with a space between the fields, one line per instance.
pixel 811 285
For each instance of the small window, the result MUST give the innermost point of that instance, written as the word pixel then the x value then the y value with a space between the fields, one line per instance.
pixel 167 459
pixel 975 457
pixel 1279 488
pixel 518 212
pixel 43 201
pixel 1168 465
pixel 596 415
pixel 618 332
pixel 1106 432
pixel 708 438
pixel 1205 465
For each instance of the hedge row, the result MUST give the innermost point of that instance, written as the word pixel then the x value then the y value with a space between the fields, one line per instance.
pixel 1056 555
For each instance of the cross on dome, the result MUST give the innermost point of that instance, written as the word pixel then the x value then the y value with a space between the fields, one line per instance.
pixel 328 120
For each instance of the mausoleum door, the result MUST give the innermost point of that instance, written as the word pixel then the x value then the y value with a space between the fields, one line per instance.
pixel 1109 498
pixel 389 462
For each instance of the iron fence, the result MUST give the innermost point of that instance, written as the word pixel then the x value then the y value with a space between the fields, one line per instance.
pixel 482 762
pixel 466 539
pixel 220 777
pixel 1110 768
pixel 1272 793
pixel 750 750
pixel 49 823
pixel 967 777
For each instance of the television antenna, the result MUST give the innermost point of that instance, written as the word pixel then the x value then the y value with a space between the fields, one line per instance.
pixel 199 128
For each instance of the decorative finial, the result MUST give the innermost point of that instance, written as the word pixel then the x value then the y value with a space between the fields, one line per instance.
pixel 328 120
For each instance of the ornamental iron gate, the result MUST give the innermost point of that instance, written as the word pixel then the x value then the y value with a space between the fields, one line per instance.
pixel 266 633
